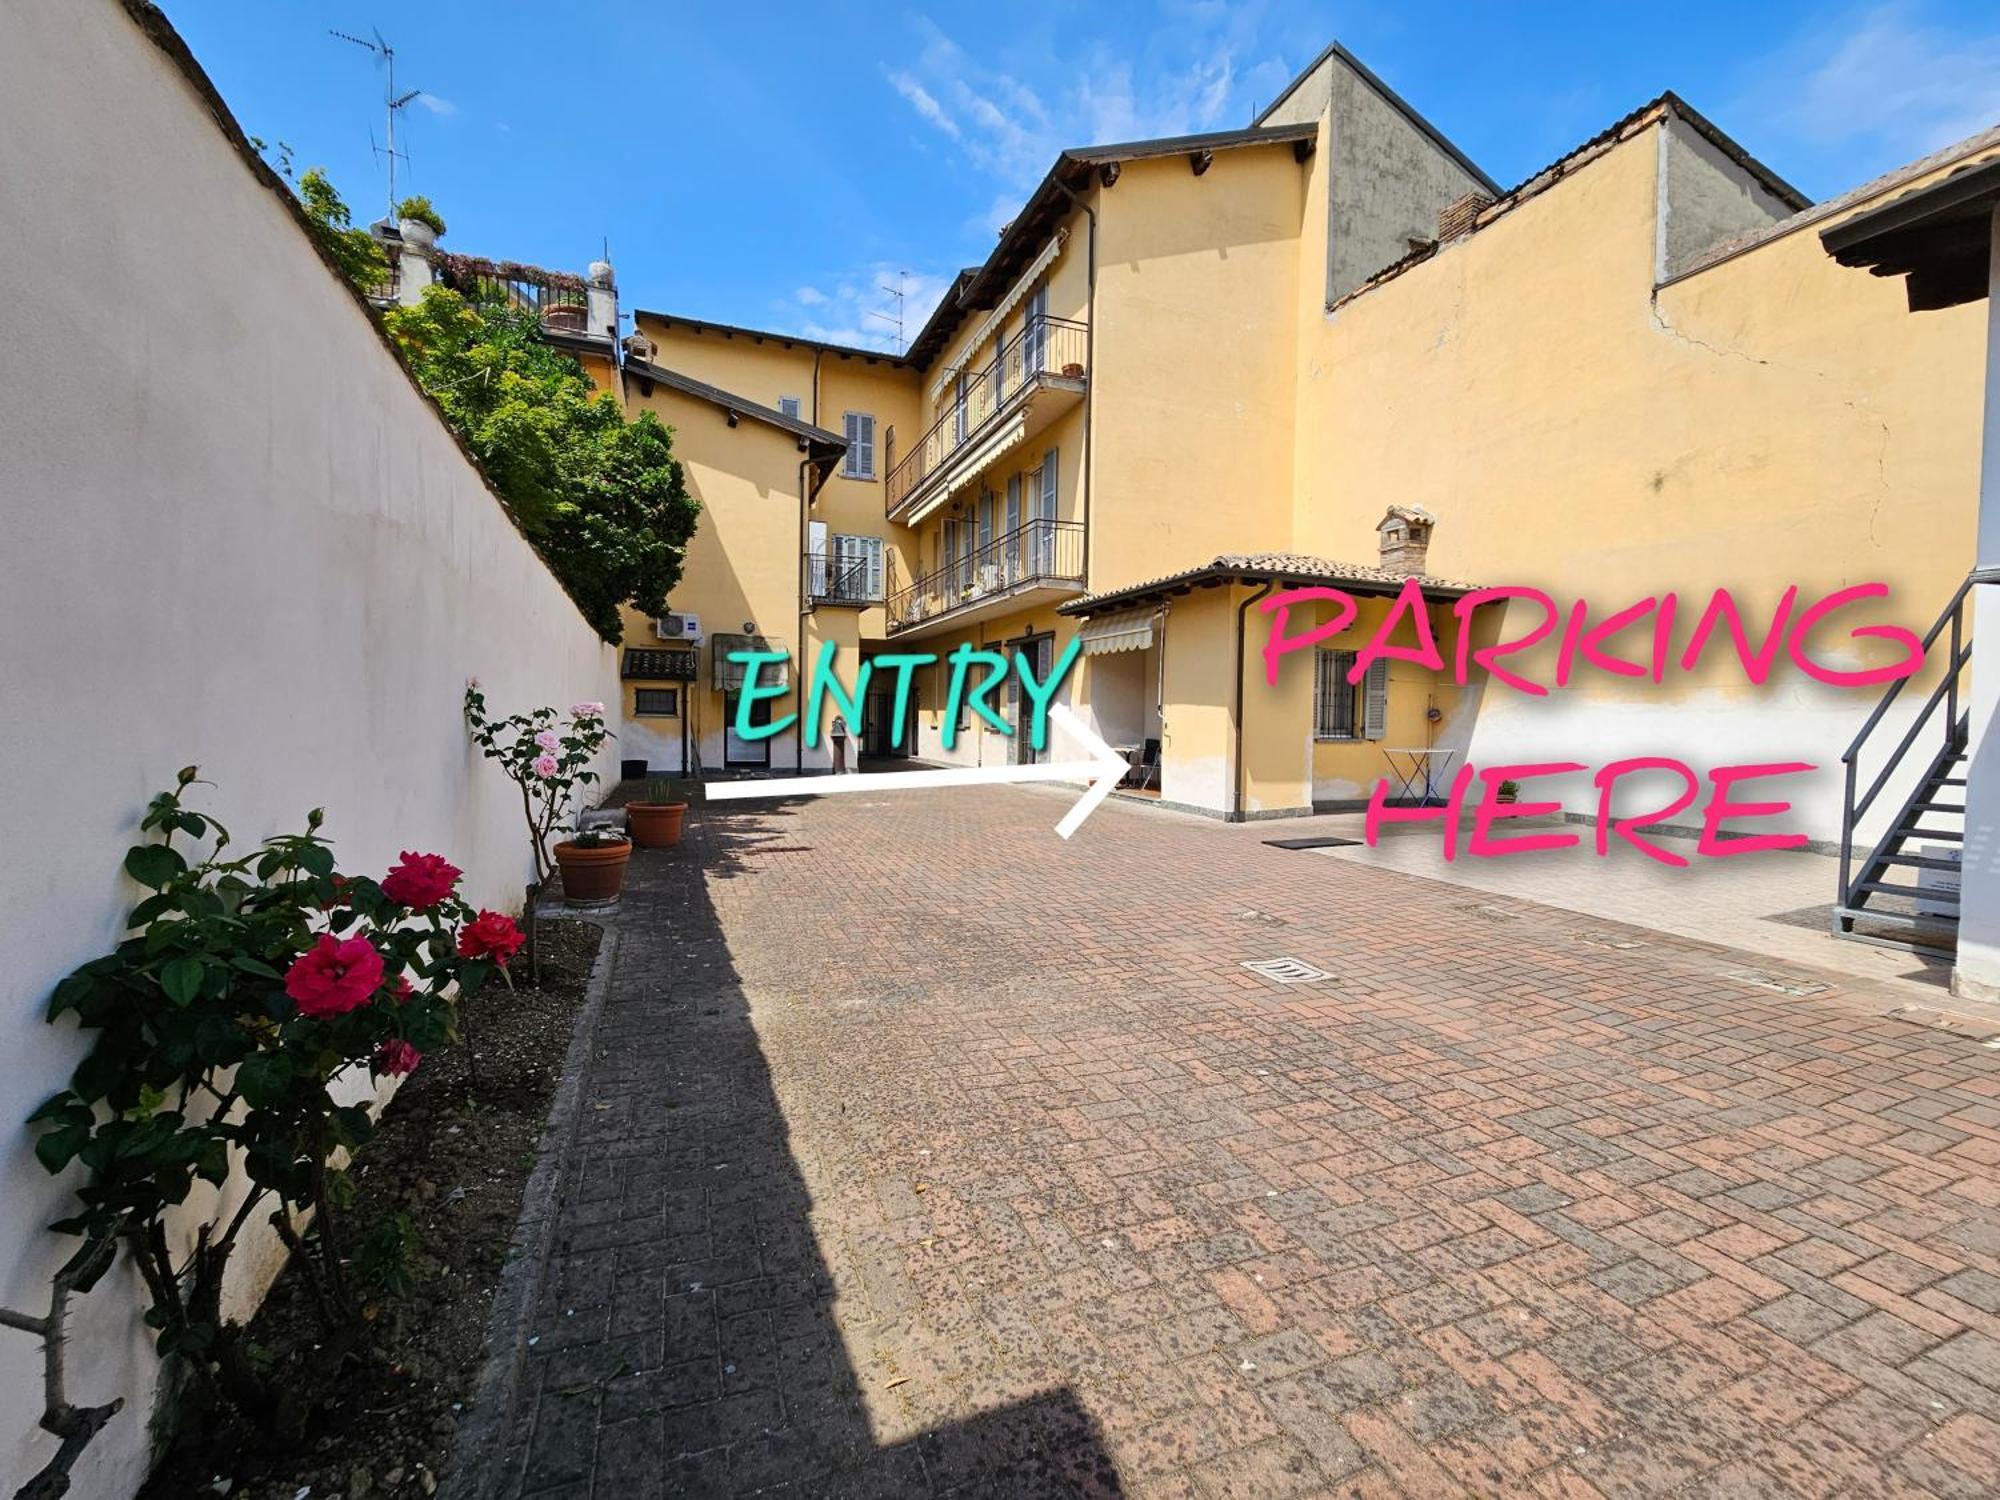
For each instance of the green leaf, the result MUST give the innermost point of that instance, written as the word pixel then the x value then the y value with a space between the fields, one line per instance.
pixel 316 859
pixel 181 978
pixel 59 1147
pixel 251 965
pixel 265 1079
pixel 153 865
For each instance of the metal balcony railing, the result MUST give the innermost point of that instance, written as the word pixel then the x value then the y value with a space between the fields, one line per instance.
pixel 841 580
pixel 1044 346
pixel 1039 553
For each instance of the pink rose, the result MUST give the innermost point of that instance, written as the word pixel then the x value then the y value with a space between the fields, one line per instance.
pixel 420 881
pixel 397 1058
pixel 586 710
pixel 548 739
pixel 403 990
pixel 334 976
pixel 545 765
pixel 490 935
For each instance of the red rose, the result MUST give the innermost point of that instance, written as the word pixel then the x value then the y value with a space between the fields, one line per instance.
pixel 339 897
pixel 420 880
pixel 403 990
pixel 334 976
pixel 490 936
pixel 397 1058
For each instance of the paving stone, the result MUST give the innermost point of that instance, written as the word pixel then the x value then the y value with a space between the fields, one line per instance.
pixel 926 1155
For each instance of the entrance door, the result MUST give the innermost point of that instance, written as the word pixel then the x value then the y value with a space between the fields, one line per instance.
pixel 1040 653
pixel 737 751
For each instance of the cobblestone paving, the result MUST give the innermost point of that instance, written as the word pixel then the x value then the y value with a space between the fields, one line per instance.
pixel 926 1154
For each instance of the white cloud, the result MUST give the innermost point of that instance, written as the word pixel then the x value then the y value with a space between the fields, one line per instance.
pixel 1186 81
pixel 1885 74
pixel 437 105
pixel 846 314
pixel 923 103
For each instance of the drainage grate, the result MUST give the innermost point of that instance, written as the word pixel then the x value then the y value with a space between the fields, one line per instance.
pixel 1285 970
pixel 1765 981
pixel 1325 841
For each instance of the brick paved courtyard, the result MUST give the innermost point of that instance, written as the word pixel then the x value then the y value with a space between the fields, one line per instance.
pixel 925 1154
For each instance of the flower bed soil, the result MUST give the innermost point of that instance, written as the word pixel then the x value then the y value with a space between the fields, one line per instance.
pixel 452 1153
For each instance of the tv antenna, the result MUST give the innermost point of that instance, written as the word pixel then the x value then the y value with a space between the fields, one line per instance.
pixel 895 319
pixel 396 103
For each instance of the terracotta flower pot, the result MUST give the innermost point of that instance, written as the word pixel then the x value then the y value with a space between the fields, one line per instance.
pixel 592 876
pixel 655 825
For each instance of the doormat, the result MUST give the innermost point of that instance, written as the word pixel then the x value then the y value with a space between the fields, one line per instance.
pixel 1323 842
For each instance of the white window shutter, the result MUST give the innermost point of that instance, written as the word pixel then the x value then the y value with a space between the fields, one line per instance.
pixel 1375 700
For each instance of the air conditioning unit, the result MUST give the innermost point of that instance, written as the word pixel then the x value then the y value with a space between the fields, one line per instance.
pixel 679 627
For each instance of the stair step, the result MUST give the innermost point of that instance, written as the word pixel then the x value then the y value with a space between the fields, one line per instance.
pixel 1941 835
pixel 1948 781
pixel 1911 933
pixel 1926 861
pixel 1884 888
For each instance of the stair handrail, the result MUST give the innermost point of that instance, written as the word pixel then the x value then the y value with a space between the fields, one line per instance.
pixel 1946 691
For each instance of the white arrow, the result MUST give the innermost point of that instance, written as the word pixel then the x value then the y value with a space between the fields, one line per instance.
pixel 1105 768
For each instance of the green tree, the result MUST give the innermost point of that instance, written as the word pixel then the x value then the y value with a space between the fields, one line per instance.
pixel 603 500
pixel 353 250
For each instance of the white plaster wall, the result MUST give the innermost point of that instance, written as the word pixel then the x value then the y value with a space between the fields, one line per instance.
pixel 236 536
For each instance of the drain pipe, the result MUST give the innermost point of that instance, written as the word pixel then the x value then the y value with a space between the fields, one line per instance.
pixel 1089 369
pixel 1237 813
pixel 805 601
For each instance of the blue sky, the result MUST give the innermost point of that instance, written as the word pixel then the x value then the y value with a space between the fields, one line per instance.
pixel 776 165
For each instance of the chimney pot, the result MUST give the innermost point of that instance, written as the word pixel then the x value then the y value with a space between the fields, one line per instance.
pixel 1404 534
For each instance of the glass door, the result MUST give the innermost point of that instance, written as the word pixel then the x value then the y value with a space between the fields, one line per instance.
pixel 737 751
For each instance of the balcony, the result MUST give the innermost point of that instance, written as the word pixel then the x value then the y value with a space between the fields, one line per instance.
pixel 850 581
pixel 1029 565
pixel 1032 379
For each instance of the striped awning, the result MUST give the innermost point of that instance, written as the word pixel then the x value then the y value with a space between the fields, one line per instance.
pixel 1128 630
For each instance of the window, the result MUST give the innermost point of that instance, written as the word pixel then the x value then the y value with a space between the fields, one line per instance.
pixel 656 703
pixel 860 460
pixel 1035 331
pixel 961 412
pixel 789 406
pixel 857 567
pixel 1013 531
pixel 1343 710
pixel 1333 696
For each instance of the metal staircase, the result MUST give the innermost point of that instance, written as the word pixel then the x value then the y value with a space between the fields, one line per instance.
pixel 1883 900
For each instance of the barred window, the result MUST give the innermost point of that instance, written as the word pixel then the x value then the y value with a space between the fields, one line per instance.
pixel 656 703
pixel 1333 696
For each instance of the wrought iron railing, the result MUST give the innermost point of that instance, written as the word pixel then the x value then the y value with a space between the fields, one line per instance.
pixel 1040 552
pixel 841 580
pixel 1044 346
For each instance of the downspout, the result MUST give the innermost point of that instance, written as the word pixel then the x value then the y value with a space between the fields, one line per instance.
pixel 1089 368
pixel 805 546
pixel 1236 812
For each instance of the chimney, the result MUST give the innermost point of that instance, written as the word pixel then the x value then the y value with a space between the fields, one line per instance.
pixel 1405 537
pixel 1460 216
pixel 601 292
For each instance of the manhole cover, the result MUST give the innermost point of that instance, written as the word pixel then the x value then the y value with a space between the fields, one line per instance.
pixel 1324 842
pixel 1285 970
pixel 1783 986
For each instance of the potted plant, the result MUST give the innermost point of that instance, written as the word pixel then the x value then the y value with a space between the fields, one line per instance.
pixel 1507 791
pixel 419 224
pixel 656 822
pixel 593 862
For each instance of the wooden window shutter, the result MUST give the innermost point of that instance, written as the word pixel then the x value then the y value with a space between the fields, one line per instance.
pixel 1375 700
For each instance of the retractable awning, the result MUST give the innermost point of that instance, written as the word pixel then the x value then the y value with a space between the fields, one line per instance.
pixel 1128 630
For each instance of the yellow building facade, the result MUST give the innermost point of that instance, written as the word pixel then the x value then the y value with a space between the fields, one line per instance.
pixel 1198 372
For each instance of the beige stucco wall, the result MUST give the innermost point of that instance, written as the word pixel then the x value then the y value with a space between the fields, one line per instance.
pixel 1192 390
pixel 1775 419
pixel 242 540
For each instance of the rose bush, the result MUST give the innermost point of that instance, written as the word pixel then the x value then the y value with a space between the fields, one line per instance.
pixel 550 760
pixel 219 1029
